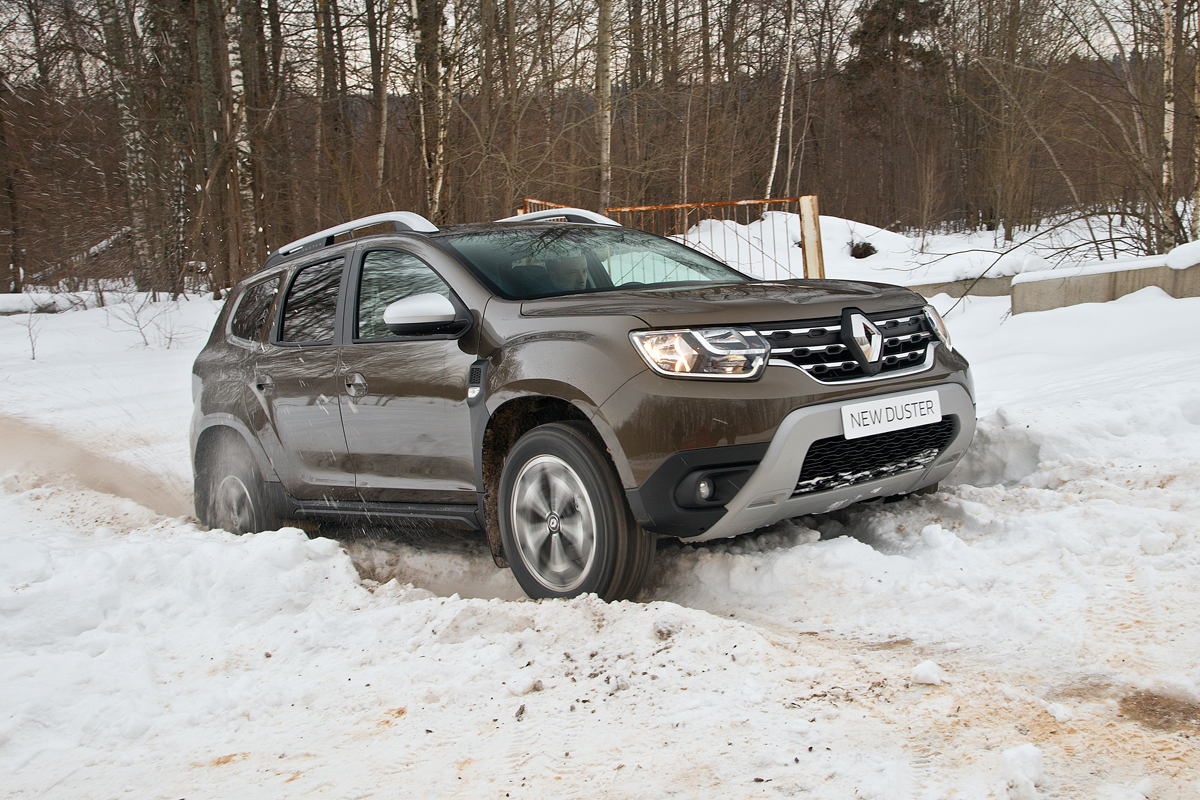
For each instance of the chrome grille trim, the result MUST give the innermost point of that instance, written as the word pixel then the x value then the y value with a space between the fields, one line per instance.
pixel 899 373
pixel 837 328
pixel 911 338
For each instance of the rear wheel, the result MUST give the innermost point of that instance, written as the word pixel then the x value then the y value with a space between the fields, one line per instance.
pixel 564 521
pixel 235 495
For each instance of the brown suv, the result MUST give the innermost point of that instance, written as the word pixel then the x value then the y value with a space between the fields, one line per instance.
pixel 569 387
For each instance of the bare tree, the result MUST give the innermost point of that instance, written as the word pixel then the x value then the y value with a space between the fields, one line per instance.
pixel 604 98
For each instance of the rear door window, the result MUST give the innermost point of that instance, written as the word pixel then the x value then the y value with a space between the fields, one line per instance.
pixel 310 308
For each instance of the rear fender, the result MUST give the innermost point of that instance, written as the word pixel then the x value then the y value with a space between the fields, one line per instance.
pixel 228 421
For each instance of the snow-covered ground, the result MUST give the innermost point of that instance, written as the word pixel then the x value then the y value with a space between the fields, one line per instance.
pixel 1027 631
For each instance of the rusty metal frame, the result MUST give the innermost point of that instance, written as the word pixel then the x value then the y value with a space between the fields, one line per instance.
pixel 772 201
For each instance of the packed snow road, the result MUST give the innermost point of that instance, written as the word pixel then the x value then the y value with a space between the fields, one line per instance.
pixel 1027 631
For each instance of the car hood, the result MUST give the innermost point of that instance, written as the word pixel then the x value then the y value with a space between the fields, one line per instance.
pixel 731 304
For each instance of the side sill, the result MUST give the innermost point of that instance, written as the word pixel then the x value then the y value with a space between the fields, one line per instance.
pixel 464 515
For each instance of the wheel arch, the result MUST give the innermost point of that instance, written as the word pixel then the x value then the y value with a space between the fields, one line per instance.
pixel 506 424
pixel 212 433
pixel 621 551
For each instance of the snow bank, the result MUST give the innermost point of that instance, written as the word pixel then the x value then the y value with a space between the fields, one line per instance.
pixel 139 653
pixel 96 626
pixel 38 302
pixel 1184 256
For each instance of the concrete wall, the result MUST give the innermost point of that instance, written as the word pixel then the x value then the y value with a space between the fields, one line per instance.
pixel 1050 293
pixel 983 287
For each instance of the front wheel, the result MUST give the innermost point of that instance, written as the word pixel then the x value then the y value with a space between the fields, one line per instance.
pixel 566 527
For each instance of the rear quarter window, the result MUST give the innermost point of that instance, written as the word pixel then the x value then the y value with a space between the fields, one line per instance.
pixel 253 310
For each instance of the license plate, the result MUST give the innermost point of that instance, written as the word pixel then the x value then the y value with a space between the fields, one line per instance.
pixel 892 414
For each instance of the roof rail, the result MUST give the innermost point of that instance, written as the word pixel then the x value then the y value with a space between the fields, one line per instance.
pixel 401 221
pixel 569 214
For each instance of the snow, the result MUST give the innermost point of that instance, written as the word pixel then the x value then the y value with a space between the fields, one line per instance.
pixel 769 248
pixel 1050 586
pixel 33 301
pixel 1094 268
pixel 1184 256
pixel 1022 767
pixel 927 672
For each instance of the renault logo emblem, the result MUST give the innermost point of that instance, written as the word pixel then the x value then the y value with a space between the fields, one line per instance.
pixel 860 334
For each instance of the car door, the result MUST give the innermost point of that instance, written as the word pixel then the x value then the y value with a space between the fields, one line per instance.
pixel 404 398
pixel 297 388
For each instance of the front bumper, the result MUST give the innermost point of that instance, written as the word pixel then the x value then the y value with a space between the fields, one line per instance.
pixel 769 495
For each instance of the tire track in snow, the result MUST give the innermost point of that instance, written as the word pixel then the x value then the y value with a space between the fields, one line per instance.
pixel 973 717
pixel 29 447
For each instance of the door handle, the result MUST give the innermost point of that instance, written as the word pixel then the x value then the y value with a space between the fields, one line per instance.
pixel 356 384
pixel 264 384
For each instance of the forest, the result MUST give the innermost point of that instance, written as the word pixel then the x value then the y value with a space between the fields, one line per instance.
pixel 173 144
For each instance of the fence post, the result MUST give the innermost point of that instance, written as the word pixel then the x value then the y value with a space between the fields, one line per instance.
pixel 810 237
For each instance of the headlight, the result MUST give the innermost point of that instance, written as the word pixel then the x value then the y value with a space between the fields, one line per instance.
pixel 703 353
pixel 939 326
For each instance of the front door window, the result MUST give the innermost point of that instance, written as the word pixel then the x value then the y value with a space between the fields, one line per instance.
pixel 388 276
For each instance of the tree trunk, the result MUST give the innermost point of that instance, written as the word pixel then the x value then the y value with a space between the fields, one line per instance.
pixel 332 99
pixel 121 42
pixel 783 84
pixel 1195 221
pixel 1169 214
pixel 14 281
pixel 286 208
pixel 430 18
pixel 255 100
pixel 604 99
pixel 512 90
pixel 379 39
pixel 729 42
pixel 487 19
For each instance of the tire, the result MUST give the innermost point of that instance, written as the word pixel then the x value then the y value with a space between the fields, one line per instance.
pixel 234 495
pixel 564 521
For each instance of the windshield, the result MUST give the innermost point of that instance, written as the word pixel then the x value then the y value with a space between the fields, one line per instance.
pixel 523 263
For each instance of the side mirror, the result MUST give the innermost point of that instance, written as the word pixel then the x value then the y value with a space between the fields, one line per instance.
pixel 421 313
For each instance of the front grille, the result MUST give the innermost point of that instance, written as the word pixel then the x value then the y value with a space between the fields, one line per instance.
pixel 817 346
pixel 837 461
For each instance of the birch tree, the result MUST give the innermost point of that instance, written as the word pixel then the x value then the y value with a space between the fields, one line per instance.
pixel 604 98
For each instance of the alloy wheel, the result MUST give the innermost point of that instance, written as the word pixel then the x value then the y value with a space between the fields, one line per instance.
pixel 233 505
pixel 554 523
